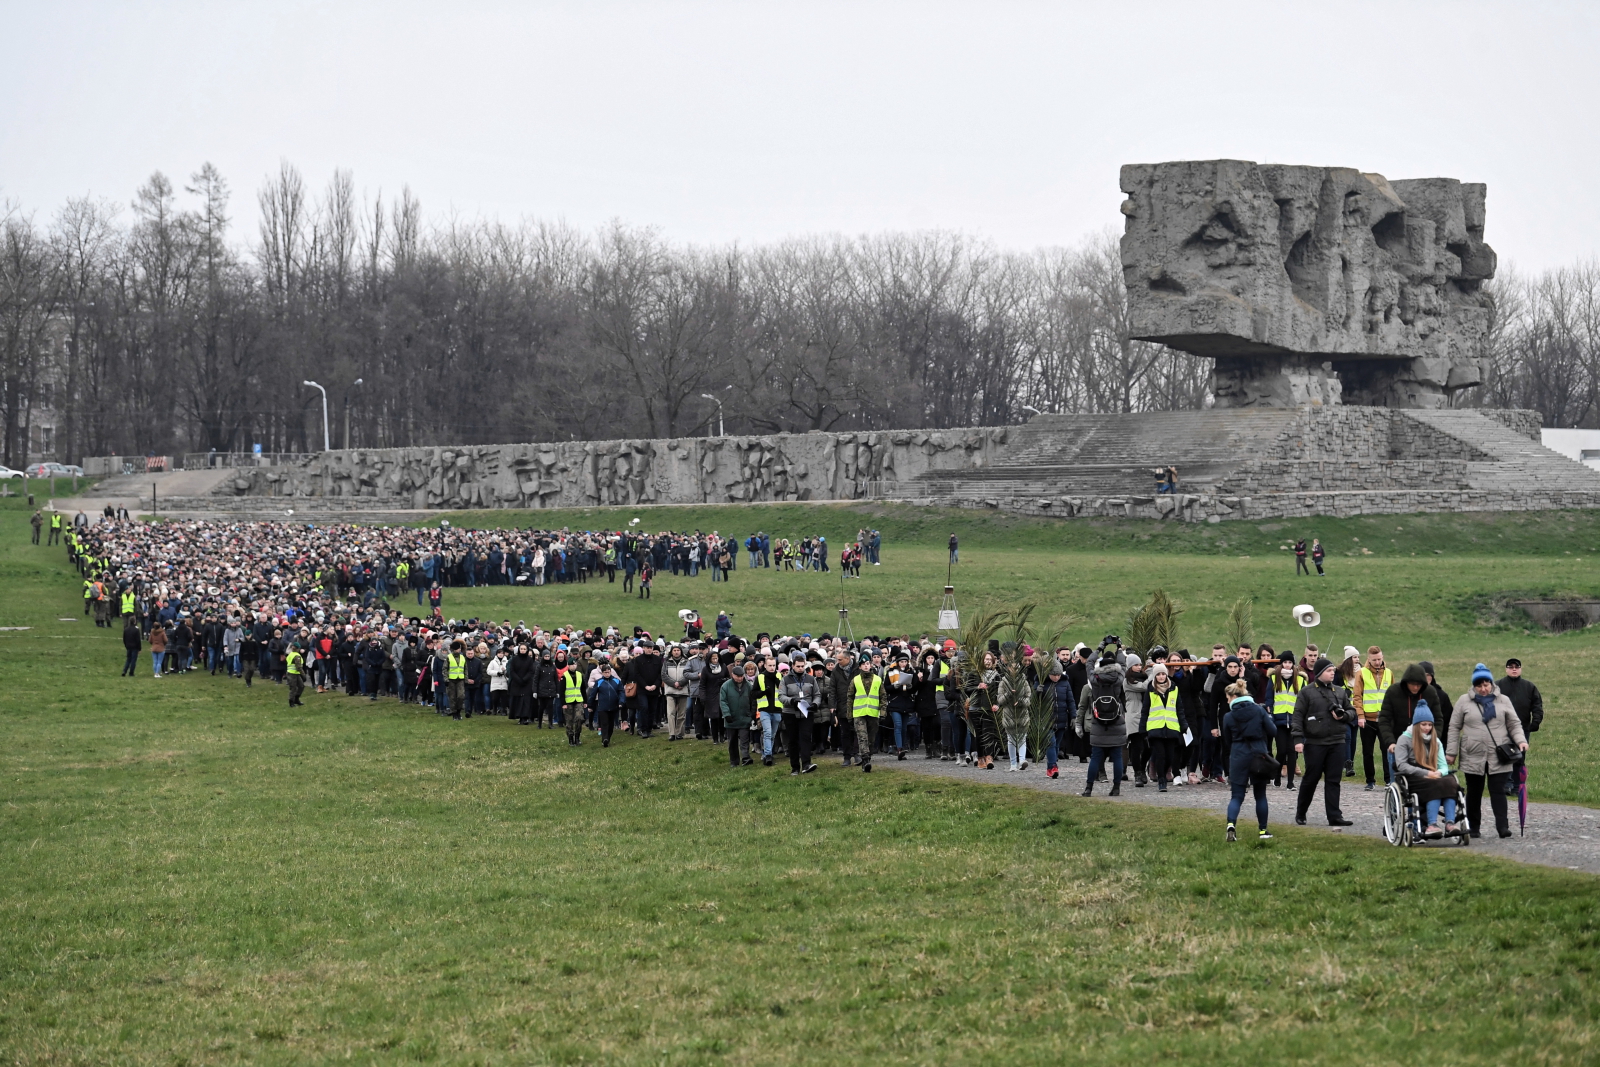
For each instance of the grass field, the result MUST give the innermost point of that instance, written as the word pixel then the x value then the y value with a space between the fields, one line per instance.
pixel 197 874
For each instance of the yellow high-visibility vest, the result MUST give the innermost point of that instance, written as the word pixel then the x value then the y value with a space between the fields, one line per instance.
pixel 1163 715
pixel 293 662
pixel 457 667
pixel 574 685
pixel 868 698
pixel 1372 690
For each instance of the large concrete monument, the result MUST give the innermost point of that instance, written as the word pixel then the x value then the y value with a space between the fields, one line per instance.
pixel 1310 285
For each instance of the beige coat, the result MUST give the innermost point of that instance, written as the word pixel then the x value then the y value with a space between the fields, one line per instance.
pixel 1472 741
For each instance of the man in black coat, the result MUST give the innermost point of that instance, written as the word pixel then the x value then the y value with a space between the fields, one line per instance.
pixel 1524 696
pixel 1320 727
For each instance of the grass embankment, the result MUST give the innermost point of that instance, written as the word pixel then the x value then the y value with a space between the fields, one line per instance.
pixel 1435 593
pixel 198 874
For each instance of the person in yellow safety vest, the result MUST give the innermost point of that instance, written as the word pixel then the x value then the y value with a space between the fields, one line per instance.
pixel 1372 682
pixel 102 603
pixel 570 679
pixel 88 595
pixel 55 527
pixel 768 691
pixel 455 680
pixel 1287 681
pixel 130 604
pixel 294 668
pixel 402 575
pixel 866 704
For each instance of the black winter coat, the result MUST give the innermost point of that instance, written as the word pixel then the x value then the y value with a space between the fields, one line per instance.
pixel 1322 715
pixel 521 674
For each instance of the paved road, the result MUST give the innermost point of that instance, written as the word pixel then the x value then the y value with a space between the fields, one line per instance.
pixel 1558 835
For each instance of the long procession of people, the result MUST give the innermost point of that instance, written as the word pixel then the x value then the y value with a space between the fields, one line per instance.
pixel 309 607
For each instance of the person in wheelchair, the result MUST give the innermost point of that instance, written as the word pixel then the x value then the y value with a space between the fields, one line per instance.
pixel 1420 760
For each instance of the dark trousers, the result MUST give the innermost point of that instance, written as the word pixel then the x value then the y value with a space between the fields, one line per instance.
pixel 930 735
pixel 797 737
pixel 1236 800
pixel 1138 755
pixel 1166 754
pixel 1369 738
pixel 1287 756
pixel 297 685
pixel 131 663
pixel 608 723
pixel 1497 801
pixel 1300 567
pixel 1097 759
pixel 738 745
pixel 574 716
pixel 1325 762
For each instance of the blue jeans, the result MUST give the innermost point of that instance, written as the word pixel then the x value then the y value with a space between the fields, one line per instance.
pixel 132 662
pixel 899 719
pixel 1236 801
pixel 769 726
pixel 1052 748
pixel 1097 759
pixel 155 661
pixel 1449 811
pixel 235 667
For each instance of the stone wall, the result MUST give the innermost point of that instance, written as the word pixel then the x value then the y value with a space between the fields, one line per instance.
pixel 698 470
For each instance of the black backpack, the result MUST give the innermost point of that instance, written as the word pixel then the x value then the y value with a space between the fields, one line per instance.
pixel 1106 709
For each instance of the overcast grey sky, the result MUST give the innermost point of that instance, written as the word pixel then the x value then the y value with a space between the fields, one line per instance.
pixel 752 121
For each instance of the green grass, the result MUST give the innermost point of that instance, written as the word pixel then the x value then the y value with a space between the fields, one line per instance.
pixel 198 874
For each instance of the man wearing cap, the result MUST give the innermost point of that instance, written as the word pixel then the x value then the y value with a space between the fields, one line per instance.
pixel 734 701
pixel 1322 714
pixel 606 693
pixel 1524 696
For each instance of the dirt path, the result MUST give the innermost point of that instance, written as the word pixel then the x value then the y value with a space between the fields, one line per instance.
pixel 1558 835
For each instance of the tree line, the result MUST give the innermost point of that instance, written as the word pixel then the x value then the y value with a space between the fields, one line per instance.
pixel 148 328
pixel 151 328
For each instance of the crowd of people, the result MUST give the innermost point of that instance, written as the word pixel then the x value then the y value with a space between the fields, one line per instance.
pixel 310 607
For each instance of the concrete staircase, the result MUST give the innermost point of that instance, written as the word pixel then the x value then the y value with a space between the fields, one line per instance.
pixel 1116 455
pixel 1516 464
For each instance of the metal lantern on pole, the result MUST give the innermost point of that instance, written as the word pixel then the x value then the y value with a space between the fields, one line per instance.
pixel 326 444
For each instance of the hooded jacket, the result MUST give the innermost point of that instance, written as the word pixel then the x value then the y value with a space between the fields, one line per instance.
pixel 1105 681
pixel 1394 717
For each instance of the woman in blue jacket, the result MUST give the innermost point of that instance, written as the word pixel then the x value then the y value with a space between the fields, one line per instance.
pixel 1247 731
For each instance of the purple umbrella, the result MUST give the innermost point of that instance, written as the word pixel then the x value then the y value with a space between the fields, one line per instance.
pixel 1520 777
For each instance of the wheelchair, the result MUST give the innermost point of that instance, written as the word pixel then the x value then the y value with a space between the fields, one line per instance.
pixel 1402 815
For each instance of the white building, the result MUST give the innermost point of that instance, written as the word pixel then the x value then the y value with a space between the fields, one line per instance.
pixel 1581 445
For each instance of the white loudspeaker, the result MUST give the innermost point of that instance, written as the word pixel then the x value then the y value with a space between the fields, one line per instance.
pixel 1305 615
pixel 685 614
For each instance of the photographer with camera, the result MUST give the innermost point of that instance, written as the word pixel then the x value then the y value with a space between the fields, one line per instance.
pixel 1320 727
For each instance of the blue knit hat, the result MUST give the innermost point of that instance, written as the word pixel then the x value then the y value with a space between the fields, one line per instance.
pixel 1480 673
pixel 1421 714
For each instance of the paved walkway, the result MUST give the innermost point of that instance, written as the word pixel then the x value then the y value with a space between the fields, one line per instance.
pixel 1558 835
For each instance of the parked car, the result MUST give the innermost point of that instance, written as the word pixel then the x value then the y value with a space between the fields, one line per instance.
pixel 7 472
pixel 53 470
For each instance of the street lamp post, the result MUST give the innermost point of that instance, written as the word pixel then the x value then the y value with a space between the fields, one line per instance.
pixel 326 444
pixel 717 402
pixel 347 414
